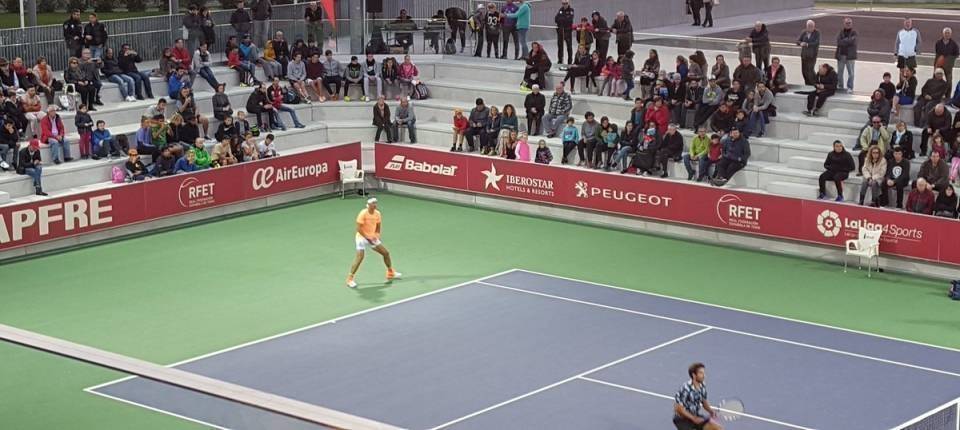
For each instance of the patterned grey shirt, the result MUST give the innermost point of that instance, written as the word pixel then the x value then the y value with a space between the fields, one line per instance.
pixel 691 398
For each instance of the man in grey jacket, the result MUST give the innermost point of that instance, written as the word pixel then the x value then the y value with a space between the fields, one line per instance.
pixel 712 97
pixel 262 12
pixel 406 118
pixel 762 101
pixel 201 65
pixel 479 118
pixel 809 43
pixel 588 139
pixel 332 75
pixel 846 54
pixel 557 112
pixel 371 73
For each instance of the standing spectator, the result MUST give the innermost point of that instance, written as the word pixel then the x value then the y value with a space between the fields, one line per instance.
pixel 276 93
pixel 405 117
pixel 809 43
pixel 476 23
pixel 838 165
pixel 297 76
pixel 202 60
pixel 935 171
pixel 921 199
pixel 564 22
pixel 371 73
pixel 825 86
pixel 648 74
pixel 128 64
pixel 934 92
pixel 53 134
pixel 760 42
pixel 601 33
pixel 627 70
pixel 406 74
pixel 846 54
pixel 491 29
pixel 907 90
pixel 313 18
pixel 332 75
pixel 907 46
pixel 584 33
pixel 94 36
pixel 510 30
pixel 460 125
pixel 73 34
pixel 708 12
pixel 193 23
pixel 29 163
pixel 897 177
pixel 208 27
pixel 479 117
pixel 522 15
pixel 241 21
pixel 262 13
pixel 734 156
pixel 775 77
pixel 946 204
pixel 457 21
pixel 560 107
pixel 873 169
pixel 91 73
pixel 534 104
pixel 624 31
pixel 694 7
pixel 589 140
pixel 946 51
pixel 381 119
pixel 111 69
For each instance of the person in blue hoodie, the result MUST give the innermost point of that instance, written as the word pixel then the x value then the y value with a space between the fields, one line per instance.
pixel 736 152
pixel 104 144
pixel 177 80
pixel 186 164
pixel 522 16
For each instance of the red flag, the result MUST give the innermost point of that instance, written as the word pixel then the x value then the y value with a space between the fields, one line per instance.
pixel 331 10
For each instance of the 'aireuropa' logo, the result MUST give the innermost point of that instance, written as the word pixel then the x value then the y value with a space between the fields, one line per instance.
pixel 266 177
pixel 828 223
pixel 263 178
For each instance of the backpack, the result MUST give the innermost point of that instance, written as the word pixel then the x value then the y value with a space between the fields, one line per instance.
pixel 117 175
pixel 954 292
pixel 450 48
pixel 376 46
pixel 67 102
pixel 420 91
pixel 255 131
pixel 290 96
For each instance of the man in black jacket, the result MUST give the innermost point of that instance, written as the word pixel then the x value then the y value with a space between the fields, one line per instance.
pixel 695 6
pixel 564 21
pixel 241 21
pixel 193 22
pixel 28 163
pixel 624 31
pixel 897 177
pixel 846 54
pixel 671 148
pixel 534 104
pixel 95 36
pixel 457 20
pixel 262 12
pixel 601 33
pixel 825 86
pixel 73 34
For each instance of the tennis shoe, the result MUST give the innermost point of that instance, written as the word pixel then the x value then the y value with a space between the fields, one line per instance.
pixel 350 282
pixel 393 274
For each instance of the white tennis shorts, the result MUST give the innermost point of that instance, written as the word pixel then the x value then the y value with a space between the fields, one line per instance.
pixel 363 243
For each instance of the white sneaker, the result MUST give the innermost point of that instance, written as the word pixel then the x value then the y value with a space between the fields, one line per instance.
pixel 131 99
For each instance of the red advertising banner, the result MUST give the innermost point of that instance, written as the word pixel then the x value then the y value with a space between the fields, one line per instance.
pixel 76 214
pixel 827 223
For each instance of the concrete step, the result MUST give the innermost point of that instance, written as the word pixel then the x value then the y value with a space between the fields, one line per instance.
pixel 805 163
pixel 850 115
pixel 825 139
pixel 791 189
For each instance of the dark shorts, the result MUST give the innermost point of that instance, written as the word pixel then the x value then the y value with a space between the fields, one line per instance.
pixel 910 62
pixel 684 424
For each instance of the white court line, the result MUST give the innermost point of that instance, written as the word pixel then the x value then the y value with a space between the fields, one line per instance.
pixel 663 396
pixel 744 333
pixel 165 412
pixel 729 308
pixel 595 369
pixel 929 414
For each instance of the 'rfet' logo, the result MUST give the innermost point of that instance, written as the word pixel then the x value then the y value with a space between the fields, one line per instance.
pixel 194 193
pixel 400 163
pixel 733 212
pixel 829 223
pixel 263 178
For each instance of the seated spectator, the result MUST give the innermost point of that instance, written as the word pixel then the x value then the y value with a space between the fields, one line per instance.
pixel 888 87
pixel 8 145
pixel 838 165
pixel 332 75
pixel 186 164
pixel 244 68
pixel 734 156
pixel 479 117
pixel 658 113
pixel 907 90
pixel 644 161
pixel 699 147
pixel 579 69
pixel 405 117
pixel 460 126
pixel 934 92
pixel 534 104
pixel 897 177
pixel 249 148
pixel 180 55
pixel 353 76
pixel 873 169
pixel 735 95
pixel 158 109
pixel 946 204
pixel 595 70
pixel 935 171
pixel 200 154
pixel 543 155
pixel 723 119
pixel 32 110
pixel 165 165
pixel 268 61
pixel 259 104
pixel 314 70
pixel 53 134
pixel 939 146
pixel 221 103
pixel 611 138
pixel 75 76
pixel 759 109
pixel 903 138
pixel 178 80
pixel 45 79
pixel 281 51
pixel 690 103
pixel 491 133
pixel 29 163
pixel 144 137
pixel 671 148
pixel 937 122
pixel 390 73
pixel 111 69
pixel 682 68
pixel 748 74
pixel 222 154
pixel 522 148
pixel 611 74
pixel 921 199
pixel 676 93
pixel 407 73
pixel 825 87
pixel 775 76
pixel 166 64
pixel 879 107
pixel 297 76
pixel 127 61
pixel 538 63
pixel 508 146
pixel 134 168
pixel 570 136
pixel 403 20
pixel 104 144
pixel 202 61
pixel 560 106
pixel 267 148
pixel 875 135
pixel 381 120
pixel 276 93
pixel 589 140
pixel 8 78
pixel 370 72
pixel 628 146
pixel 712 98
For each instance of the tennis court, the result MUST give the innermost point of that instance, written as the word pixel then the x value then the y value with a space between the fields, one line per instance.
pixel 526 350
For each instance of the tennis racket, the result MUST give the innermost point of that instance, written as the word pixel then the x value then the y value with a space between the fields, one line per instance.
pixel 730 409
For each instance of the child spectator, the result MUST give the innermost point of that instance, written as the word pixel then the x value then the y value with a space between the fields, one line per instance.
pixel 888 87
pixel 222 154
pixel 186 164
pixel 84 124
pixel 165 165
pixel 267 148
pixel 104 144
pixel 243 68
pixel 544 156
pixel 611 77
pixel 611 139
pixel 135 169
pixel 249 148
pixel 200 155
pixel 522 148
pixel 570 136
pixel 460 125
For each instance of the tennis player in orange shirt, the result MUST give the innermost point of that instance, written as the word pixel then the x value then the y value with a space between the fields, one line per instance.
pixel 368 235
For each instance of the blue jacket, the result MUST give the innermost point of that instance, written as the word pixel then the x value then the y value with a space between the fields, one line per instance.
pixel 522 16
pixel 184 166
pixel 174 83
pixel 100 138
pixel 736 150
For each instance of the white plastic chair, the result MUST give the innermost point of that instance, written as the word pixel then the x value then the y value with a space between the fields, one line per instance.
pixel 867 245
pixel 350 174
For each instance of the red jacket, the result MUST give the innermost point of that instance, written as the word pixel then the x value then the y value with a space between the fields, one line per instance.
pixel 276 96
pixel 921 203
pixel 460 123
pixel 46 129
pixel 660 116
pixel 233 59
pixel 184 56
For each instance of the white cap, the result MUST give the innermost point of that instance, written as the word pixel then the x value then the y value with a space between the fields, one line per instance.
pixel 371 200
pixel 535 86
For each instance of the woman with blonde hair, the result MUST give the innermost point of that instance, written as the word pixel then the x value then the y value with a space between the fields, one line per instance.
pixel 460 125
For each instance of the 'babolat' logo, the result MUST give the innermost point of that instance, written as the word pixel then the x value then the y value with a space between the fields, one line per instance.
pixel 400 162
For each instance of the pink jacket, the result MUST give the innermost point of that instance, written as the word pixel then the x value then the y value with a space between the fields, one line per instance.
pixel 408 71
pixel 523 151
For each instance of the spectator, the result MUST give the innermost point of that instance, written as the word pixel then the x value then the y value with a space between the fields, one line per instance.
pixel 201 65
pixel 104 144
pixel 200 154
pixel 405 39
pixel 683 69
pixel 128 64
pixel 46 82
pixel 760 109
pixel 879 107
pixel 938 122
pixel 747 74
pixel 73 75
pixel 708 12
pixel 935 171
pixel 193 23
pixel 249 148
pixel 888 88
pixel 262 13
pixel 509 120
pixel 874 135
pixel 601 33
pixel 873 170
pixel 522 15
pixel 596 69
pixel 315 72
pixel 907 87
pixel 407 73
pixel 838 165
pixel 543 155
pixel 460 126
pixel 208 27
pixel 775 77
pixel 276 93
pixel 53 134
pixel 479 117
pixel 160 108
pixel 29 163
pixel 381 119
pixel 809 43
pixel 611 138
pixel 73 34
pixel 165 165
pixel 644 160
pixel 510 29
pixel 259 104
pixel 187 163
pixel 921 199
pixel 267 59
pixel 491 133
pixel 934 92
pixel 268 148
pixel 624 31
pixel 178 80
pixel 181 55
pixel 713 97
pixel 846 54
pixel 353 75
pixel 457 20
pixel 297 76
pixel 671 148
pixel 405 117
pixel 221 103
pixel 313 18
pixel 902 138
pixel 659 114
pixel 589 139
pixel 222 154
pixel 760 42
pixel 134 168
pixel 734 156
pixel 627 70
pixel 32 109
pixel 187 107
pixel 694 7
pixel 584 33
pixel 432 30
pixel 579 67
pixel 534 104
pixel 8 145
pixel 332 75
pixel 946 51
pixel 825 86
pixel 491 29
pixel 94 36
pixel 648 74
pixel 938 146
pixel 611 77
pixel 371 73
pixel 907 46
pixel 721 72
pixel 538 63
pixel 724 119
pixel 570 136
pixel 691 102
pixel 946 204
pixel 564 22
pixel 227 130
pixel 111 69
pixel 281 50
pixel 699 151
pixel 897 177
pixel 560 107
pixel 628 146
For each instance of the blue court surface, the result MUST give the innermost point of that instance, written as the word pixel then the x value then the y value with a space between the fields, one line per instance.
pixel 521 350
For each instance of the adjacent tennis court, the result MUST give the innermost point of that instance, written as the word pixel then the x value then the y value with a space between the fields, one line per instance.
pixel 521 349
